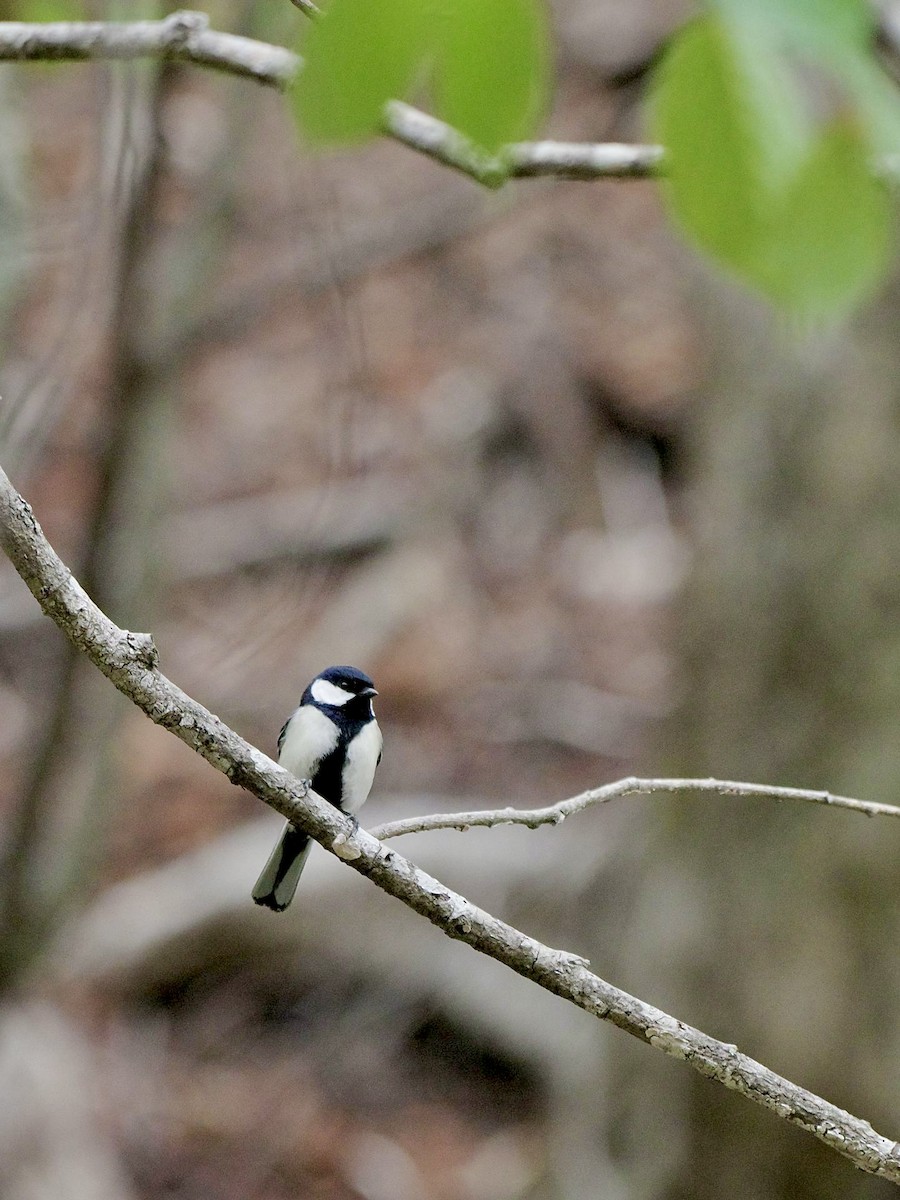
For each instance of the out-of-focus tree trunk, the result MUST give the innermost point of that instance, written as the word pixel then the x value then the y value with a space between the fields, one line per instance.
pixel 780 925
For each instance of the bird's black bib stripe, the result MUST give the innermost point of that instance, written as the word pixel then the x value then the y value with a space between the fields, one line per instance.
pixel 327 779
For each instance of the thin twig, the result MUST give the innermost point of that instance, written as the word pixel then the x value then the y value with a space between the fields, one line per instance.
pixel 130 661
pixel 522 160
pixel 186 36
pixel 555 814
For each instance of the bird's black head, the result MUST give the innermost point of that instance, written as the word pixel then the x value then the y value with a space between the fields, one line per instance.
pixel 348 678
pixel 343 688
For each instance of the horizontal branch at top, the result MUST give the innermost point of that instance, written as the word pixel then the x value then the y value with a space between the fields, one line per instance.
pixel 186 37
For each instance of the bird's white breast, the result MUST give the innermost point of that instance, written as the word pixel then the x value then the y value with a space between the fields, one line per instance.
pixel 359 767
pixel 310 736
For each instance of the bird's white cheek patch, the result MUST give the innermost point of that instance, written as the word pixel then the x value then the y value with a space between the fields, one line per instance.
pixel 324 692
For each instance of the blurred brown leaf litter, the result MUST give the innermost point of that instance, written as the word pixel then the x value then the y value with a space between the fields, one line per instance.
pixel 577 509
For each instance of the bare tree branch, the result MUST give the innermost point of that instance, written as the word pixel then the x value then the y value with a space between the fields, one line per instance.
pixel 555 814
pixel 129 660
pixel 186 36
pixel 566 160
pixel 307 7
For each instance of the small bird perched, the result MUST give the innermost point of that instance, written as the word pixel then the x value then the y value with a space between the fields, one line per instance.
pixel 333 740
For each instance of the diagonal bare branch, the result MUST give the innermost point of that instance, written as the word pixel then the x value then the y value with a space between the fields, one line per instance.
pixel 129 660
pixel 186 37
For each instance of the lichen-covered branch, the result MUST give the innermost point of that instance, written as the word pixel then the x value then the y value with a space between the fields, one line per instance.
pixel 186 36
pixel 129 660
pixel 564 160
pixel 554 814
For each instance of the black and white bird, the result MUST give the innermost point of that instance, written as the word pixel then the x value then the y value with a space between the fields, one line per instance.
pixel 333 740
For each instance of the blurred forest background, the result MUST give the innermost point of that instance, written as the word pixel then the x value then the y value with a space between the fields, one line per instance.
pixel 579 507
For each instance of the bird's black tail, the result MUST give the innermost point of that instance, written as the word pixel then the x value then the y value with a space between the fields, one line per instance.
pixel 276 885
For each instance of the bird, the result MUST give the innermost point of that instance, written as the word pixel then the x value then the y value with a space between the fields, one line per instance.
pixel 331 739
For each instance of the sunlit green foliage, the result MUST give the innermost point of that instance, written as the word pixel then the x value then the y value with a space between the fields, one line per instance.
pixel 482 63
pixel 43 10
pixel 774 169
pixel 358 55
pixel 775 117
pixel 490 69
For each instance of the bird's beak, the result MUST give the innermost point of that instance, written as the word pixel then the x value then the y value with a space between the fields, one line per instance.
pixel 369 692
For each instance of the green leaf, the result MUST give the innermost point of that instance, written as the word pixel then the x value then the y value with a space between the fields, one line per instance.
pixel 358 55
pixel 832 28
pixel 733 130
pixel 491 69
pixel 43 11
pixel 877 101
pixel 828 247
pixel 799 216
pixel 834 35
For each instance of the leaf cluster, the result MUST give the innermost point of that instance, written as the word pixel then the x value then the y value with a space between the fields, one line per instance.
pixel 484 64
pixel 775 116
